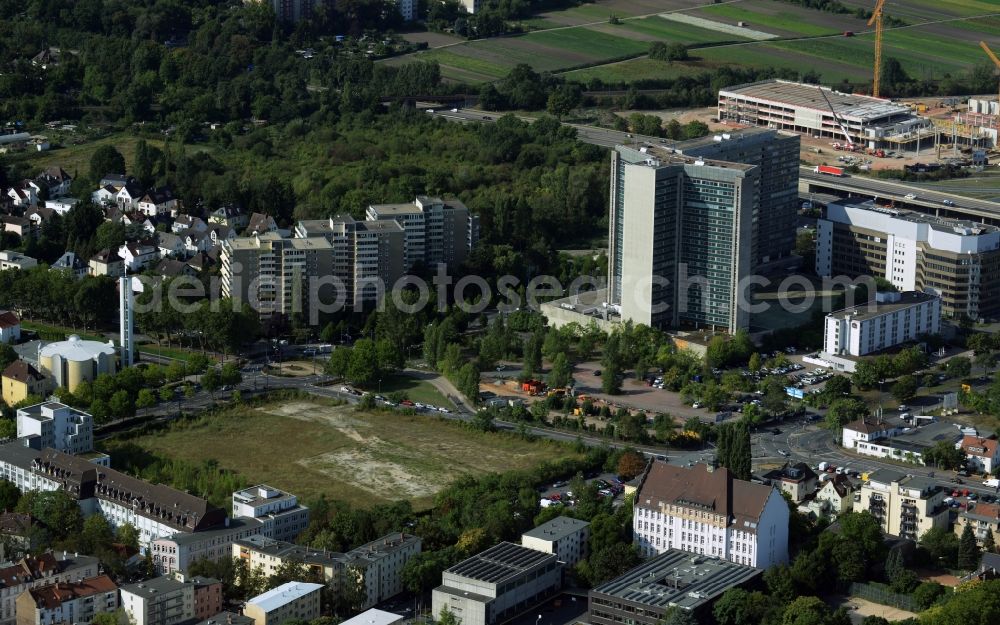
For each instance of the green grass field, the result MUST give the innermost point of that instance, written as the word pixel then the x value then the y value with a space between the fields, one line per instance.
pixel 670 31
pixel 634 70
pixel 786 21
pixel 49 332
pixel 415 390
pixel 588 42
pixel 170 352
pixel 312 448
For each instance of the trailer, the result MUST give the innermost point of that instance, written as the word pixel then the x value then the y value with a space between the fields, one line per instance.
pixel 829 170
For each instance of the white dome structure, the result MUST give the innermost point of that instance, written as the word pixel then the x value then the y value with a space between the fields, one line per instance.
pixel 75 360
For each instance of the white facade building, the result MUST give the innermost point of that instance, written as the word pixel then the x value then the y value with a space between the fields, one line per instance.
pixel 705 510
pixel 15 260
pixel 57 426
pixel 179 550
pixel 10 327
pixel 280 514
pixel 294 600
pixel 564 536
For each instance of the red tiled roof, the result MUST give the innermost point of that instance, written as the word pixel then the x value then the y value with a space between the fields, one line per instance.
pixel 698 487
pixel 8 319
pixel 982 447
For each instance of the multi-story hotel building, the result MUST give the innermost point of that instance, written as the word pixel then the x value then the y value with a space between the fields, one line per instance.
pixel 706 511
pixel 957 260
pixel 905 506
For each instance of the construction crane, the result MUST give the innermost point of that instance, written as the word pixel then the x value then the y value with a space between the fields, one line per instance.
pixel 996 61
pixel 877 20
pixel 836 118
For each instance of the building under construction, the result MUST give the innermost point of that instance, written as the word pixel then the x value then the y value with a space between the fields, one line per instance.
pixel 821 112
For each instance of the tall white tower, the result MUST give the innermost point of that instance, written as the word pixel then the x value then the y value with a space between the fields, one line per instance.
pixel 126 320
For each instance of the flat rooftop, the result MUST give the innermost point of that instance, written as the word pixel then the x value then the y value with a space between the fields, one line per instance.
pixel 284 594
pixel 373 617
pixel 860 107
pixel 663 156
pixel 262 493
pixel 381 547
pixel 188 538
pixel 284 551
pixel 557 529
pixel 965 227
pixel 875 309
pixel 500 562
pixel 164 584
pixel 408 208
pixel 677 578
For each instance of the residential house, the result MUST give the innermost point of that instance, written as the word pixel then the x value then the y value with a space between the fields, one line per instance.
pixel 17 225
pixel 106 263
pixel 984 519
pixel 171 245
pixel 229 215
pixel 705 510
pixel 62 205
pixel 15 260
pixel 23 195
pixel 71 263
pixel 128 196
pixel 51 425
pixel 195 242
pixel 55 181
pixel 39 215
pixel 20 380
pixel 798 480
pixel 294 600
pixel 217 234
pixel 138 256
pixel 837 494
pixel 201 261
pixel 76 601
pixel 157 201
pixel 982 454
pixel 172 599
pixel 170 268
pixel 904 506
pixel 37 571
pixel 10 327
pixel 187 222
pixel 19 535
pixel 259 224
pixel 115 180
pixel 280 512
pixel 106 195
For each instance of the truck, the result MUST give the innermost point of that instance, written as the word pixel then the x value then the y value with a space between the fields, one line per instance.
pixel 829 170
pixel 992 483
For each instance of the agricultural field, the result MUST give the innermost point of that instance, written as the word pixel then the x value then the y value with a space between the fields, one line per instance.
pixel 311 448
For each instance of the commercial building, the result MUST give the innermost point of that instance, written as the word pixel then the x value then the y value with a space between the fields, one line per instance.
pixel 77 601
pixel 705 510
pixel 437 231
pixel 564 536
pixel 984 519
pixel 294 600
pixel 171 599
pixel 179 550
pixel 958 260
pixel 10 327
pixel 674 579
pixel 20 380
pixel 894 438
pixel 37 571
pixel 688 224
pixel 369 256
pixel 15 260
pixel 905 506
pixel 497 584
pixel 75 360
pixel 153 509
pixel 821 112
pixel 798 480
pixel 57 426
pixel 893 318
pixel 280 514
pixel 982 455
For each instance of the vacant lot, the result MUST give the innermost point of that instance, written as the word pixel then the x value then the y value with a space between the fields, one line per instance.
pixel 312 448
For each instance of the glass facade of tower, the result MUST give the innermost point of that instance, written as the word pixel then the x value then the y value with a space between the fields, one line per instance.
pixel 707 230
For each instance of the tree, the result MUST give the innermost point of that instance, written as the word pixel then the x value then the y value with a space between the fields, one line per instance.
pixel 532 355
pixel 363 367
pixel 121 405
pixel 737 607
pixel 564 99
pixel 56 510
pixel 339 363
pixel 106 160
pixel 905 388
pixel 837 386
pixel 144 163
pixel 678 616
pixel 989 544
pixel 211 380
pixel 631 464
pixel 7 355
pixel 944 455
pixel 611 562
pixel 968 550
pixel 941 545
pixel 754 364
pixel 805 611
pixel 959 367
pixel 611 360
pixel 9 496
pixel 446 617
pixel 561 373
pixel 844 410
pixel 145 399
pixel 734 450
pixel 96 536
pixel 928 593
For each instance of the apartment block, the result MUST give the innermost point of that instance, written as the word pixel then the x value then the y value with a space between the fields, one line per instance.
pixel 294 600
pixel 382 563
pixel 984 519
pixel 179 550
pixel 19 380
pixel 955 259
pixel 268 556
pixel 171 599
pixel 56 426
pixel 77 601
pixel 893 318
pixel 38 571
pixel 905 506
pixel 564 536
pixel 497 584
pixel 437 231
pixel 154 510
pixel 705 510
pixel 279 512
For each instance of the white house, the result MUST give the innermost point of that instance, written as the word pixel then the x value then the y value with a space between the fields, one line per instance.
pixel 705 510
pixel 23 195
pixel 138 256
pixel 72 263
pixel 56 181
pixel 128 196
pixel 837 494
pixel 170 245
pixel 982 454
pixel 38 216
pixel 157 201
pixel 61 205
pixel 10 327
pixel 187 222
pixel 564 536
pixel 105 195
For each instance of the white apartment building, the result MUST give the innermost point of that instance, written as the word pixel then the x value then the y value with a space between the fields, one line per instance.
pixel 171 599
pixel 56 426
pixel 956 259
pixel 892 319
pixel 281 516
pixel 15 260
pixel 37 571
pixel 294 600
pixel 268 556
pixel 564 536
pixel 77 601
pixel 437 231
pixel 382 561
pixel 179 550
pixel 905 506
pixel 704 510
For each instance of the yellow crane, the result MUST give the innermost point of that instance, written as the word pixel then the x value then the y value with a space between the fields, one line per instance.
pixel 877 20
pixel 996 61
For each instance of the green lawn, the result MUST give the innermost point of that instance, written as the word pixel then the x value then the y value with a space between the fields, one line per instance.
pixel 451 57
pixel 671 31
pixel 789 21
pixel 633 70
pixel 415 390
pixel 49 332
pixel 176 353
pixel 592 43
pixel 311 447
